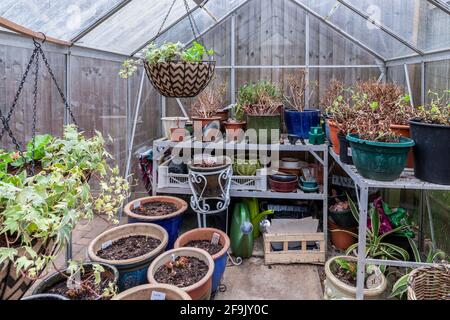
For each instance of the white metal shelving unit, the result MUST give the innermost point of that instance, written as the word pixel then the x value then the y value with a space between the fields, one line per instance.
pixel 407 180
pixel 319 152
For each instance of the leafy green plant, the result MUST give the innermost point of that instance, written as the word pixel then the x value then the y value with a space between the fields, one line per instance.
pixel 45 207
pixel 401 285
pixel 376 248
pixel 166 52
pixel 260 98
pixel 349 267
pixel 438 110
pixel 237 113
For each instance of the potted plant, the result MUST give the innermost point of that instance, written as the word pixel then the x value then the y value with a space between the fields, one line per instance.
pixel 213 170
pixel 204 112
pixel 215 242
pixel 340 219
pixel 376 152
pixel 340 282
pixel 164 211
pixel 400 287
pixel 174 71
pixel 299 120
pixel 431 132
pixel 87 281
pixel 147 292
pixel 330 102
pixel 190 269
pixel 38 212
pixel 235 125
pixel 130 248
pixel 261 103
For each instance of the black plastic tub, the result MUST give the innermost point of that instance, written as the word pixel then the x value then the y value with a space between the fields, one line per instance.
pixel 345 152
pixel 431 151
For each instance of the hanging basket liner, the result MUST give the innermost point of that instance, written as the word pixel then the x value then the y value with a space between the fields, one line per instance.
pixel 12 284
pixel 180 79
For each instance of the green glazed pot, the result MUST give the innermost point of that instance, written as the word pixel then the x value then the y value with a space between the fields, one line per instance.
pixel 265 123
pixel 382 161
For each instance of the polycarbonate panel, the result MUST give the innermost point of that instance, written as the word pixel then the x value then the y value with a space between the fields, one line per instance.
pixel 416 21
pixel 133 25
pixel 61 19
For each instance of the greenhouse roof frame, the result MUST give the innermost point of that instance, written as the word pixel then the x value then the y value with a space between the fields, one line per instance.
pixel 419 55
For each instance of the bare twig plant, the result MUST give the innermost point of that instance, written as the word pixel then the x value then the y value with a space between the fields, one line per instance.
pixel 209 101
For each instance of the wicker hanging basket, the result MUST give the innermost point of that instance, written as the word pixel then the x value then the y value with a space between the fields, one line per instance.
pixel 180 79
pixel 429 283
pixel 14 285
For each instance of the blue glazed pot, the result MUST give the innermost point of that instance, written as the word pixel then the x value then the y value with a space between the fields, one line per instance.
pixel 300 122
pixel 171 222
pixel 220 258
pixel 132 272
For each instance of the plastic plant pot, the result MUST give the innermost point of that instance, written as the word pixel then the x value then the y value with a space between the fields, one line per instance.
pixel 263 126
pixel 382 161
pixel 431 152
pixel 404 131
pixel 333 133
pixel 345 152
pixel 300 122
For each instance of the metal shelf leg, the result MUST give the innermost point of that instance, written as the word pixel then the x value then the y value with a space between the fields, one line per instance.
pixel 363 204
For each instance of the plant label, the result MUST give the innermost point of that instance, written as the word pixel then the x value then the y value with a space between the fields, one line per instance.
pixel 173 257
pixel 156 295
pixel 215 238
pixel 373 281
pixel 106 244
pixel 349 152
pixel 136 205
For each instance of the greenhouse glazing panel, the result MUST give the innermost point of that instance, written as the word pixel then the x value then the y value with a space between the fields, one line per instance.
pixel 417 21
pixel 62 19
pixel 130 27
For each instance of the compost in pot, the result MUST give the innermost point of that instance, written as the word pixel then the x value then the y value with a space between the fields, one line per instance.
pixel 206 245
pixel 129 247
pixel 155 209
pixel 183 272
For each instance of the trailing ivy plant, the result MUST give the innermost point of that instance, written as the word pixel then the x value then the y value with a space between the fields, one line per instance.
pixel 75 182
pixel 167 52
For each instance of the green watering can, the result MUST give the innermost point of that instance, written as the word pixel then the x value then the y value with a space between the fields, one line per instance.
pixel 241 235
pixel 255 215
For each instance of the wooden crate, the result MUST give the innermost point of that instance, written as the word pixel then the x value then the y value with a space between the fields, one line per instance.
pixel 287 256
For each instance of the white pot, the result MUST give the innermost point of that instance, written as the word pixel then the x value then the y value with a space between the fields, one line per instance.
pixel 291 163
pixel 173 122
pixel 335 289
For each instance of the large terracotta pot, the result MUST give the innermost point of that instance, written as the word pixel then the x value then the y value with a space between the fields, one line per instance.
pixel 171 222
pixel 340 239
pixel 132 272
pixel 220 258
pixel 334 130
pixel 198 291
pixel 404 131
pixel 144 292
pixel 335 289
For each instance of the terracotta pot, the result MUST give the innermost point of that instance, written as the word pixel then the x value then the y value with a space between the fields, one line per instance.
pixel 200 128
pixel 171 222
pixel 335 289
pixel 220 258
pixel 340 239
pixel 131 271
pixel 198 291
pixel 234 130
pixel 279 186
pixel 404 131
pixel 334 130
pixel 144 292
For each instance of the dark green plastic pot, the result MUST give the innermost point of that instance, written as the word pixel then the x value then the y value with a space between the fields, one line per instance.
pixel 383 161
pixel 264 124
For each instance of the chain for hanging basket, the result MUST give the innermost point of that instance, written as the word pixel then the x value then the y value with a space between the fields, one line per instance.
pixel 5 120
pixel 180 79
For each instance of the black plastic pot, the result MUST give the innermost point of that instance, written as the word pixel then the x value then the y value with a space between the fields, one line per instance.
pixel 431 151
pixel 345 152
pixel 344 219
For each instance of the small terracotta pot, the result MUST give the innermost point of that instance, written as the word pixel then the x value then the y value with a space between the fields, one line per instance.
pixel 334 130
pixel 220 258
pixel 201 123
pixel 198 291
pixel 144 292
pixel 404 131
pixel 340 239
pixel 234 130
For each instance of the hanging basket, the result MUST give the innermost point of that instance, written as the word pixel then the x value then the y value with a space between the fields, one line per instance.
pixel 180 79
pixel 14 285
pixel 429 283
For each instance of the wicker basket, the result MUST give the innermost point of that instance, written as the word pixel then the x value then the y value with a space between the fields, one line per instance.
pixel 12 284
pixel 429 283
pixel 180 79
